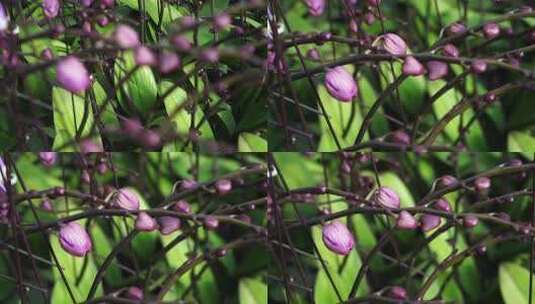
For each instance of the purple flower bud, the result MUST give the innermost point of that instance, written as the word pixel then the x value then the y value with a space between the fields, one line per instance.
pixel 315 7
pixel 446 181
pixel 87 3
pixel 338 238
pixel 478 66
pixel 47 54
pixel 386 197
pixel 87 28
pixel 442 204
pixel 394 44
pixel 144 56
pixel 482 183
pixel 134 293
pixel 187 21
pixel 353 26
pixel 145 222
pixel 413 67
pixel 313 54
pixel 340 84
pixel 369 18
pixel 168 62
pixel 168 224
pixel 491 30
pixel 456 28
pixel 223 186
pixel 89 146
pixel 126 199
pixel 102 167
pixel 182 206
pixel 51 8
pixel 221 21
pixel 450 50
pixel 400 137
pixel 211 222
pixel 126 37
pixel 437 69
pixel 74 239
pixel 107 3
pixel 103 20
pixel 86 178
pixel 132 127
pixel 4 18
pixel 397 292
pixel 72 75
pixel 221 252
pixel 470 221
pixel 48 158
pixel 209 55
pixel 181 43
pixel 374 2
pixel 405 220
pixel 188 184
pixel 47 205
pixel 429 222
pixel 151 139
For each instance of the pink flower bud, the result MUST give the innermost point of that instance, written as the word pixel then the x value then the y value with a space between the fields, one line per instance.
pixel 394 44
pixel 313 54
pixel 338 238
pixel 87 3
pixel 446 181
pixel 168 62
pixel 315 7
pixel 85 177
pixel 442 204
pixel 211 222
pixel 482 183
pixel 181 43
pixel 437 69
pixel 188 184
pixel 340 84
pixel 126 37
pixel 46 204
pixel 187 21
pixel 209 55
pixel 182 206
pixel 74 239
pixel 107 3
pixel 470 221
pixel 151 139
pixel 429 222
pixel 413 67
pixel 47 54
pixel 72 75
pixel 386 197
pixel 102 167
pixel 478 66
pixel 397 292
pixel 134 293
pixel 89 146
pixel 456 28
pixel 374 2
pixel 405 220
pixel 144 56
pixel 51 8
pixel 168 224
pixel 103 20
pixel 450 50
pixel 400 137
pixel 491 30
pixel 48 159
pixel 145 222
pixel 223 186
pixel 222 21
pixel 4 18
pixel 353 26
pixel 126 199
pixel 132 127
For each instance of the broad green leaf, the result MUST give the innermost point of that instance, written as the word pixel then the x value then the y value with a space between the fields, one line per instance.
pixel 299 171
pixel 411 90
pixel 522 142
pixel 71 112
pixel 369 97
pixel 514 283
pixel 154 10
pixel 249 142
pixel 253 291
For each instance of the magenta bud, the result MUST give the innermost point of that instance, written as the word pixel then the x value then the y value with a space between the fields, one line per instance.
pixel 187 21
pixel 51 8
pixel 46 204
pixel 397 292
pixel 437 69
pixel 338 238
pixel 72 75
pixel 482 183
pixel 491 30
pixel 151 139
pixel 400 137
pixel 182 206
pixel 223 186
pixel 103 20
pixel 107 3
pixel 220 252
pixel 188 185
pixel 168 62
pixel 168 224
pixel 315 7
pixel 353 26
pixel 87 3
pixel 209 55
pixel 369 18
pixel 126 37
pixel 4 18
pixel 145 222
pixel 429 222
pixel 450 50
pixel 490 97
pixel 211 222
pixel 394 44
pixel 74 239
pixel 405 220
pixel 222 21
pixel 181 43
pixel 102 168
pixel 413 67
pixel 126 199
pixel 470 221
pixel 86 178
pixel 144 56
pixel 134 293
pixel 447 181
pixel 456 28
pixel 442 204
pixel 386 197
pixel 48 159
pixel 313 54
pixel 478 66
pixel 87 28
pixel 132 127
pixel 340 84
pixel 47 54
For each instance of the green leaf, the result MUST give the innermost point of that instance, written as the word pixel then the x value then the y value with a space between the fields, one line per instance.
pixel 69 113
pixel 521 142
pixel 249 142
pixel 140 87
pixel 252 291
pixel 152 8
pixel 514 283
